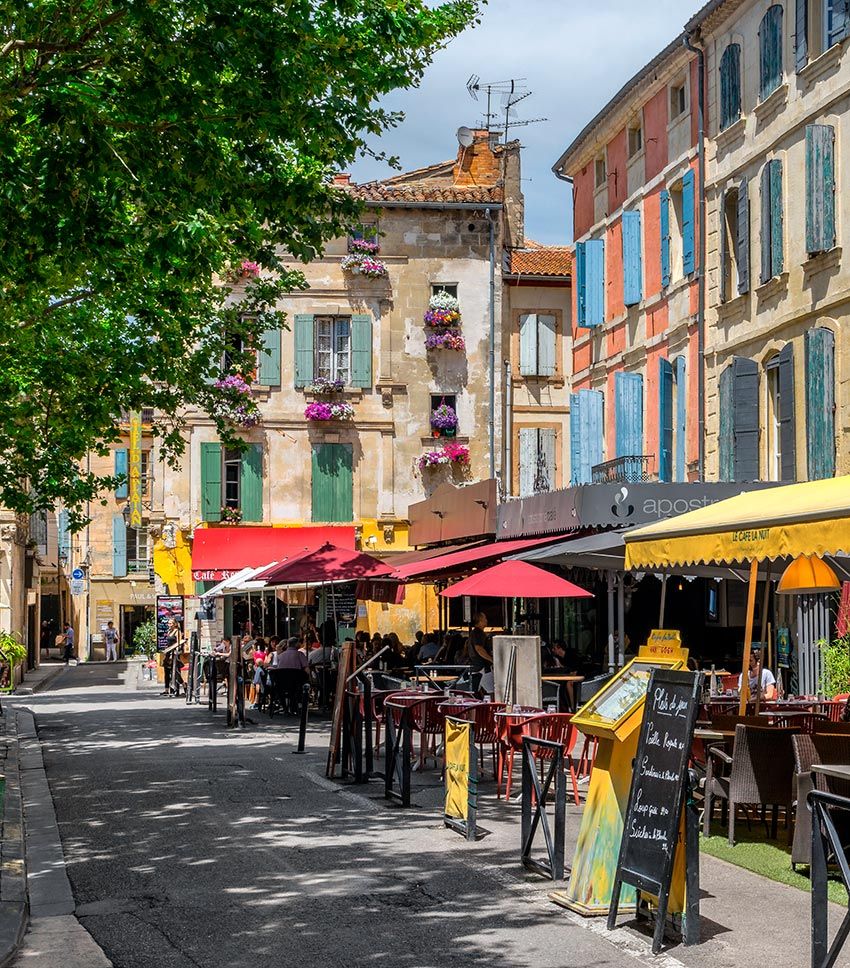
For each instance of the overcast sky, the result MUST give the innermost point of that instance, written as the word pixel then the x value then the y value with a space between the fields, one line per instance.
pixel 574 55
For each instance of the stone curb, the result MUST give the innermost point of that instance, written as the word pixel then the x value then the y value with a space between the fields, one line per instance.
pixel 25 690
pixel 14 902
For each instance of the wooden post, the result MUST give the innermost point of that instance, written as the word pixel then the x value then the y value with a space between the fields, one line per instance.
pixel 748 637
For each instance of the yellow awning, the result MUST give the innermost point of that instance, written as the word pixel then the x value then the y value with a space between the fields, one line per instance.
pixel 812 518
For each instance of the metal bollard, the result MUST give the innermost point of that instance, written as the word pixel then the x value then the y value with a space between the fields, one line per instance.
pixel 302 727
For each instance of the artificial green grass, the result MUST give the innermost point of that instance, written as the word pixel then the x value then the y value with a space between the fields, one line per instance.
pixel 770 858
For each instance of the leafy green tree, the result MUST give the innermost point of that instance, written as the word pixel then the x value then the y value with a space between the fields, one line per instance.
pixel 147 148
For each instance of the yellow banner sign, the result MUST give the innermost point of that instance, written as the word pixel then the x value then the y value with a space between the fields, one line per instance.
pixel 457 768
pixel 134 485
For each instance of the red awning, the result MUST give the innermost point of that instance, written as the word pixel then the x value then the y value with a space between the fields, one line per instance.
pixel 463 559
pixel 324 565
pixel 219 553
pixel 516 579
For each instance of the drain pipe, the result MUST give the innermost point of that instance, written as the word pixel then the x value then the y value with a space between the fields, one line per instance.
pixel 700 52
pixel 492 344
pixel 507 470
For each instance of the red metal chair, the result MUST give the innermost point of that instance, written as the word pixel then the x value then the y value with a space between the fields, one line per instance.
pixel 558 728
pixel 510 743
pixel 430 722
pixel 486 726
pixel 588 756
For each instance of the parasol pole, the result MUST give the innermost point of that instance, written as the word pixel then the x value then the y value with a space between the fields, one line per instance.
pixel 748 636
pixel 663 600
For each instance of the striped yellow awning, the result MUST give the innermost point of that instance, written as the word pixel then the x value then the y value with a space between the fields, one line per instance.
pixel 799 519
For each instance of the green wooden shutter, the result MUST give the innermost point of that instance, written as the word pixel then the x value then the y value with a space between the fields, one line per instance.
pixel 581 285
pixel 119 546
pixel 527 460
pixel 726 435
pixel 680 378
pixel 269 375
pixel 628 414
pixel 361 351
pixel 528 344
pixel 632 274
pixel 801 34
pixel 251 483
pixel 742 248
pixel 770 51
pixel 730 86
pixel 665 420
pixel 546 363
pixel 745 409
pixel 820 403
pixel 787 423
pixel 210 482
pixel 664 215
pixel 332 484
pixel 688 222
pixel 724 248
pixel 820 188
pixel 595 268
pixel 303 349
pixel 122 490
pixel 765 221
pixel 777 216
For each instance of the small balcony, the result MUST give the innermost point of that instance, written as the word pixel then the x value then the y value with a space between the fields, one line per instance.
pixel 631 469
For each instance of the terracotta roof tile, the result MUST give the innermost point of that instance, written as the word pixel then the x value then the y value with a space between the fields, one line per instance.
pixel 422 192
pixel 541 260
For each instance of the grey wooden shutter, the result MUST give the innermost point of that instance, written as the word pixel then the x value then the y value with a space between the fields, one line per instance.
pixel 820 188
pixel 528 344
pixel 743 238
pixel 726 416
pixel 787 428
pixel 665 420
pixel 546 364
pixel 801 34
pixel 546 449
pixel 770 51
pixel 777 216
pixel 745 404
pixel 724 248
pixel 765 223
pixel 820 402
pixel 527 460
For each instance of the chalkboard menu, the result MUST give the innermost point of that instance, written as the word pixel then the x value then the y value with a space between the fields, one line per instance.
pixel 651 829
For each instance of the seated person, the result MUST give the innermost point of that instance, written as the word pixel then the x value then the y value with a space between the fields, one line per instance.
pixel 430 648
pixel 768 682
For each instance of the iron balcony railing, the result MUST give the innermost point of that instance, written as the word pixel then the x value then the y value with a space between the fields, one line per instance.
pixel 631 469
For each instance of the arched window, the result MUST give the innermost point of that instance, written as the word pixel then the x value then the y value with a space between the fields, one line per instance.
pixel 770 51
pixel 730 86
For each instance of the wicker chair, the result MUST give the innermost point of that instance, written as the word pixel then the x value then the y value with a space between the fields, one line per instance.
pixel 808 751
pixel 836 729
pixel 760 773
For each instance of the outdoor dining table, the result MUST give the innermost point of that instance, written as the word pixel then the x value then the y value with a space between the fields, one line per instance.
pixel 570 682
pixel 838 771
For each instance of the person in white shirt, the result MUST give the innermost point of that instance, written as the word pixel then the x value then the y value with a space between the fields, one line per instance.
pixel 110 636
pixel 768 681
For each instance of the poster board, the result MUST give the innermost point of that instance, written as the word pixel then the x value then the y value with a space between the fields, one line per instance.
pixel 346 666
pixel 656 798
pixel 461 777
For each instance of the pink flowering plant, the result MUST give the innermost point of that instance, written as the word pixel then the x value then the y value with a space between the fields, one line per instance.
pixel 448 454
pixel 443 311
pixel 328 411
pixel 359 264
pixel 249 268
pixel 231 515
pixel 364 246
pixel 235 405
pixel 445 341
pixel 325 388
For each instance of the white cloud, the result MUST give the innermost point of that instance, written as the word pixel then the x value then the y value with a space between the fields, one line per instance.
pixel 574 55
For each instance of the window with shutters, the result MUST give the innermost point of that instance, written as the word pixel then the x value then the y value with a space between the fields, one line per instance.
pixel 729 245
pixel 587 434
pixel 774 444
pixel 739 421
pixel 137 551
pixel 537 460
pixel 834 17
pixel 38 530
pixel 438 400
pixel 332 359
pixel 590 283
pixel 772 230
pixel 819 25
pixel 730 86
pixel 632 259
pixel 770 51
pixel 780 430
pixel 538 344
pixel 231 478
pixel 676 209
pixel 820 188
pixel 366 231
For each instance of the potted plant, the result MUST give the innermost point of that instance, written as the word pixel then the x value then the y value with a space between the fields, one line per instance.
pixel 319 412
pixel 12 654
pixel 364 246
pixel 444 421
pixel 325 388
pixel 231 515
pixel 236 405
pixel 359 264
pixel 448 454
pixel 443 311
pixel 448 340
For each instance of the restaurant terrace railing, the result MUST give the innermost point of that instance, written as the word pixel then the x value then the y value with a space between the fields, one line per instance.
pixel 630 469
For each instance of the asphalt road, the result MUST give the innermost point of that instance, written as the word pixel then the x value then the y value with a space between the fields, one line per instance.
pixel 190 845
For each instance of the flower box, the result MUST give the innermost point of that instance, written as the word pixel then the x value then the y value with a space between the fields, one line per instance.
pixel 364 246
pixel 449 340
pixel 443 311
pixel 322 412
pixel 325 388
pixel 236 405
pixel 449 454
pixel 231 515
pixel 358 264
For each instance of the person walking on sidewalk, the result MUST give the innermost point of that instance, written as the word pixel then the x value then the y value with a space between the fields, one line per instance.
pixel 69 642
pixel 111 638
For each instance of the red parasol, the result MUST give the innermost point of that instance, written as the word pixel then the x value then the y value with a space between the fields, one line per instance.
pixel 325 565
pixel 516 579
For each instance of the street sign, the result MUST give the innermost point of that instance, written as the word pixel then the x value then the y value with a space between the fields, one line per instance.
pixel 78 586
pixel 78 574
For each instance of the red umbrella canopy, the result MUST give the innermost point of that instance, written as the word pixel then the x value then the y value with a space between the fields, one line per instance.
pixel 516 579
pixel 326 564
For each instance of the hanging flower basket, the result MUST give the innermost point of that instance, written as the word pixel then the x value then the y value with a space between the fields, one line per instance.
pixel 450 454
pixel 231 515
pixel 364 246
pixel 443 311
pixel 444 419
pixel 320 412
pixel 325 388
pixel 236 405
pixel 358 264
pixel 449 340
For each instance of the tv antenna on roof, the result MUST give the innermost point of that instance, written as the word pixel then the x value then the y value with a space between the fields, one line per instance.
pixel 512 92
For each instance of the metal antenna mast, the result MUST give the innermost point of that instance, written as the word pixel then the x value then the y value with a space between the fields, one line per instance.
pixel 511 92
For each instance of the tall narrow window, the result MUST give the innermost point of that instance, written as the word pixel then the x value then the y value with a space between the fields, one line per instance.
pixel 730 86
pixel 678 100
pixel 739 421
pixel 333 348
pixel 820 188
pixel 600 172
pixel 770 51
pixel 779 412
pixel 590 283
pixel 635 140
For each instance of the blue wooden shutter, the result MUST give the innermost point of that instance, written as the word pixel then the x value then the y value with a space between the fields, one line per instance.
pixel 586 434
pixel 528 344
pixel 546 363
pixel 664 202
pixel 688 240
pixel 119 546
pixel 840 21
pixel 251 483
pixel 210 482
pixel 595 267
pixel 787 424
pixel 770 51
pixel 63 536
pixel 742 251
pixel 745 401
pixel 628 414
pixel 820 188
pixel 665 420
pixel 527 460
pixel 581 285
pixel 269 375
pixel 820 403
pixel 726 435
pixel 777 216
pixel 361 351
pixel 680 378
pixel 303 349
pixel 632 268
pixel 122 490
pixel 801 34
